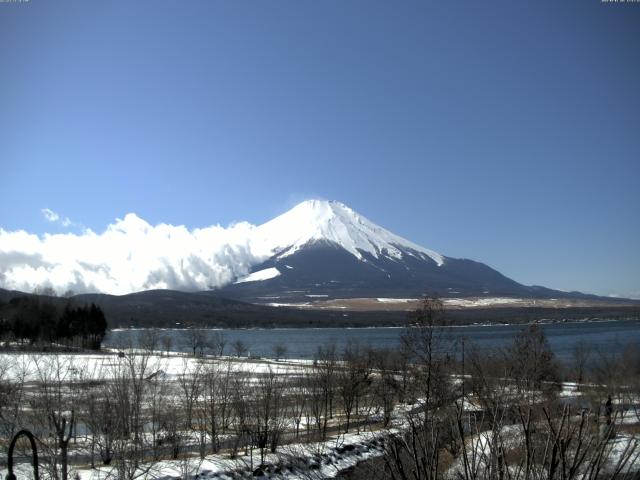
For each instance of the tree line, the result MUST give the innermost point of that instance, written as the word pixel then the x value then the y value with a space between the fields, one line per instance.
pixel 40 322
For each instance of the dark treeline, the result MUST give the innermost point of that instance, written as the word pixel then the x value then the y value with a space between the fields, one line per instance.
pixel 39 321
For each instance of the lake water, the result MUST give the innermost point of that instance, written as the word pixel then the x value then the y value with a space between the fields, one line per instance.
pixel 303 343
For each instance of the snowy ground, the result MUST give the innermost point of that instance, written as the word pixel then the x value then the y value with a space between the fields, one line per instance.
pixel 479 446
pixel 294 461
pixel 298 460
pixel 408 304
pixel 25 366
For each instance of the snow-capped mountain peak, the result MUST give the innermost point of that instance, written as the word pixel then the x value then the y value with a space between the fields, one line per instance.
pixel 330 221
pixel 323 249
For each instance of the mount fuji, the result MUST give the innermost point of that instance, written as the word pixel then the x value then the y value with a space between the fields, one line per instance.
pixel 324 249
pixel 322 264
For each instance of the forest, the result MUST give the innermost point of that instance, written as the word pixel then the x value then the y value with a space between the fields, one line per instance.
pixel 40 323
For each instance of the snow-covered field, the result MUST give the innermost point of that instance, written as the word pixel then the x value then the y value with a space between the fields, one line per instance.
pixel 84 367
pixel 397 300
pixel 293 460
pixel 484 302
pixel 298 460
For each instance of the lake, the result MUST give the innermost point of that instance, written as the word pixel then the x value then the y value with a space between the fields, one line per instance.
pixel 606 336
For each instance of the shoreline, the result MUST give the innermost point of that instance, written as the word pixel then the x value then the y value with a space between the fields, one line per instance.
pixel 380 327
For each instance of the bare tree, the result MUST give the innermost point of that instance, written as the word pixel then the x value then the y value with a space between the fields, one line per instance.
pixel 427 341
pixel 326 367
pixel 157 389
pixel 535 369
pixel 129 388
pixel 189 383
pixel 55 408
pixel 218 344
pixel 317 404
pixel 217 394
pixel 297 400
pixel 240 348
pixel 266 412
pixel 194 340
pixel 241 399
pixel 148 340
pixel 279 351
pixel 352 379
pixel 87 417
pixel 190 390
pixel 581 354
pixel 189 466
pixel 419 450
pixel 106 429
pixel 173 434
pixel 167 343
pixel 386 385
pixel 13 373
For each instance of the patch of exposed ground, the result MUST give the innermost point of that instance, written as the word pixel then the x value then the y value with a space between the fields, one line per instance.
pixel 409 304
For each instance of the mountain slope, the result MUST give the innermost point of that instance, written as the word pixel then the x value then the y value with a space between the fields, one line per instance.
pixel 169 308
pixel 325 249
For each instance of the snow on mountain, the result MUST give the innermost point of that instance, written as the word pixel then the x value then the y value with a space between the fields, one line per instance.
pixel 260 275
pixel 320 220
pixel 325 248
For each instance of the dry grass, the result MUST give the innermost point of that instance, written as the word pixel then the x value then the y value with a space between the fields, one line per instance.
pixel 629 429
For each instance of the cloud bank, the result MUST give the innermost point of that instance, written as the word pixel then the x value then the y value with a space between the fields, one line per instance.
pixel 129 256
pixel 634 295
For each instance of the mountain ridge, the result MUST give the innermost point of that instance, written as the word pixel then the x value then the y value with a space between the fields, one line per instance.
pixel 176 309
pixel 325 248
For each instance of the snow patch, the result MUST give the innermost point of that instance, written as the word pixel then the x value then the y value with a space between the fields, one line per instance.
pixel 260 275
pixel 481 302
pixel 397 300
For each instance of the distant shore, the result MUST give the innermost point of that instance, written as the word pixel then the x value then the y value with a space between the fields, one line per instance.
pixel 406 325
pixel 288 317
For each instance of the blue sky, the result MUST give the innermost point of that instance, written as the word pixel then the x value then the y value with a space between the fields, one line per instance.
pixel 502 131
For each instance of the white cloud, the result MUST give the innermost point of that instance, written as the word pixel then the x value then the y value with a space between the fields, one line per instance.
pixel 635 295
pixel 55 217
pixel 130 255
